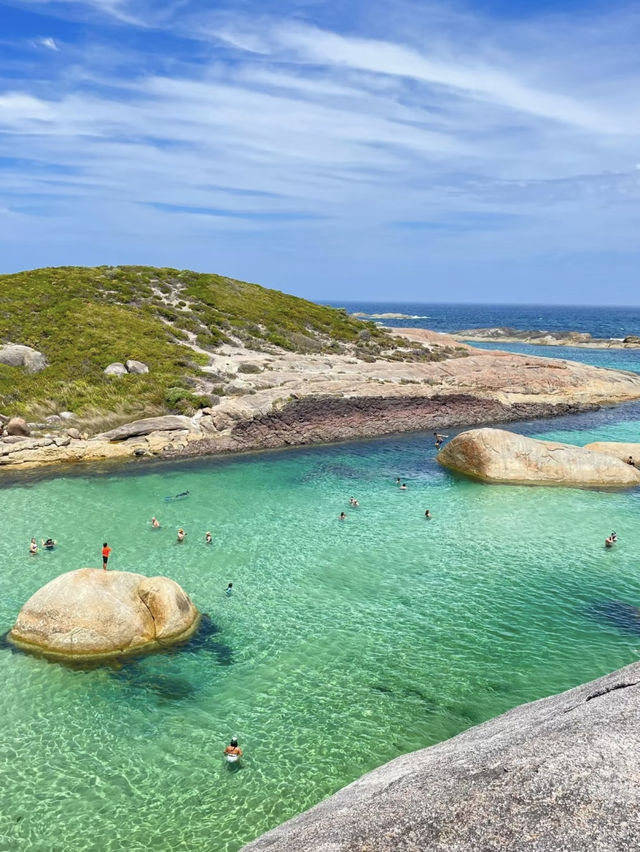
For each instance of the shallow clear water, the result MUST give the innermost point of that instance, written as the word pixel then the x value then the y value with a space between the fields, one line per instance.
pixel 344 645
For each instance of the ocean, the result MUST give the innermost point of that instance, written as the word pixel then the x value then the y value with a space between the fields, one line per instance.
pixel 346 643
pixel 599 322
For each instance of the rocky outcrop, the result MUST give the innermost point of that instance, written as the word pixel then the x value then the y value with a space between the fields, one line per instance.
pixel 17 426
pixel 557 774
pixel 296 399
pixel 94 613
pixel 495 455
pixel 147 426
pixel 16 355
pixel 548 338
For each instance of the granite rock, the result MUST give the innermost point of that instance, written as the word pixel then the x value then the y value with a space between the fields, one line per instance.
pixel 556 775
pixel 91 613
pixel 496 455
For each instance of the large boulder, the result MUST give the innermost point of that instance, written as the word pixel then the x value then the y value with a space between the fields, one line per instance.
pixel 115 369
pixel 557 774
pixel 138 367
pixel 17 426
pixel 16 355
pixel 95 613
pixel 168 423
pixel 495 455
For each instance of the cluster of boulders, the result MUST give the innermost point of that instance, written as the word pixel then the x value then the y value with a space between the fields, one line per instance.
pixel 17 355
pixel 130 366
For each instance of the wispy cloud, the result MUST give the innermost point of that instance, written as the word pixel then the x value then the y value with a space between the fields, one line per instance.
pixel 335 152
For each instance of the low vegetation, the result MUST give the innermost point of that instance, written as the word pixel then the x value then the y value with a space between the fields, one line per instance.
pixel 83 319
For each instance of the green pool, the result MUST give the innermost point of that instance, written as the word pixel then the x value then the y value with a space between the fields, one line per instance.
pixel 344 645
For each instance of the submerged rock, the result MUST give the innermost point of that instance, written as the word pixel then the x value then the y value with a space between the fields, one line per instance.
pixel 94 613
pixel 557 774
pixel 495 455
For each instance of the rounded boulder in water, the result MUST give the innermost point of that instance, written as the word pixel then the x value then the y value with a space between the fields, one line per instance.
pixel 91 613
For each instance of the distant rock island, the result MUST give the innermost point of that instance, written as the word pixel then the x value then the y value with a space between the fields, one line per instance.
pixel 548 338
pixel 91 614
pixel 556 774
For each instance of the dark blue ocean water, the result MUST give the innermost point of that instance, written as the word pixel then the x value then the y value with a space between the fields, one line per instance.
pixel 614 322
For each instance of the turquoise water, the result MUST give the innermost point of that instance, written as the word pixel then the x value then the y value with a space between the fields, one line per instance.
pixel 344 645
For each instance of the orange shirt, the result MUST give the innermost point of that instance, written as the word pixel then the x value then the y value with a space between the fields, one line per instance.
pixel 106 551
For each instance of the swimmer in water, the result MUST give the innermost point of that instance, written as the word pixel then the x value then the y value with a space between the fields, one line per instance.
pixel 48 543
pixel 427 514
pixel 208 537
pixel 233 748
pixel 343 517
pixel 183 494
pixel 33 547
pixel 229 590
pixel 403 487
pixel 181 534
pixel 398 480
pixel 155 523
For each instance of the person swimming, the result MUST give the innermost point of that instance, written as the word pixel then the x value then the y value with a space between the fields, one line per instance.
pixel 208 537
pixel 33 547
pixel 427 514
pixel 343 517
pixel 48 543
pixel 181 534
pixel 155 523
pixel 403 487
pixel 611 540
pixel 183 494
pixel 229 590
pixel 233 749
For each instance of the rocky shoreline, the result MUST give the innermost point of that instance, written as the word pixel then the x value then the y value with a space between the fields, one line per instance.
pixel 295 400
pixel 540 337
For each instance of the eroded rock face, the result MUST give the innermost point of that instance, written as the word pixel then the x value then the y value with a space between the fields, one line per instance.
pixel 557 774
pixel 495 455
pixel 93 613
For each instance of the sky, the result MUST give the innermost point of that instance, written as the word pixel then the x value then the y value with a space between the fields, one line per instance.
pixel 361 150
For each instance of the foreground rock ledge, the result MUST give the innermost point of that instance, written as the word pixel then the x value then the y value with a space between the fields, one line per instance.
pixel 558 774
pixel 91 613
pixel 496 455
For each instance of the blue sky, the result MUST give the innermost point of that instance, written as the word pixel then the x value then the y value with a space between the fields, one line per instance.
pixel 362 150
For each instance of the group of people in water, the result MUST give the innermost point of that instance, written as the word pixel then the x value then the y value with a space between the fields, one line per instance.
pixel 401 485
pixel 47 543
pixel 181 535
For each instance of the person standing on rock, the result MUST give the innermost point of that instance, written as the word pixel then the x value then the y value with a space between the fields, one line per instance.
pixel 106 553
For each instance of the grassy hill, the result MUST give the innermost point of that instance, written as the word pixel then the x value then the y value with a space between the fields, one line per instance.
pixel 85 318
